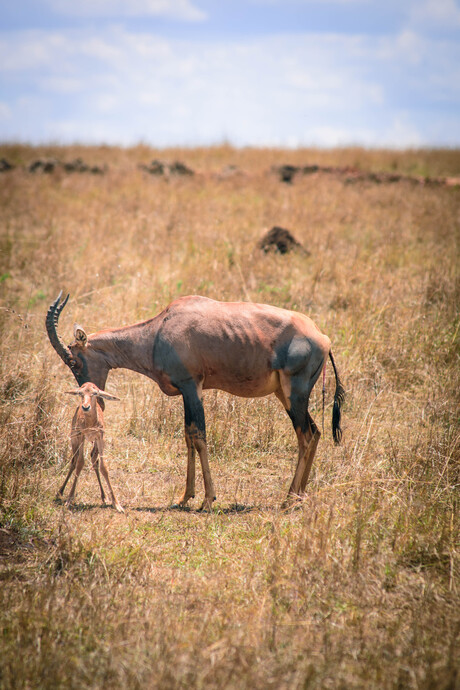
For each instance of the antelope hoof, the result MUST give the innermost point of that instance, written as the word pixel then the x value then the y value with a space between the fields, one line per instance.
pixel 184 500
pixel 207 504
pixel 119 508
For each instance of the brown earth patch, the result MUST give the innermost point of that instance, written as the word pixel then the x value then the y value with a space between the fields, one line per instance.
pixel 280 240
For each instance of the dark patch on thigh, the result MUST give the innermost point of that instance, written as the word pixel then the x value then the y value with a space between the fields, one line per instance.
pixel 292 356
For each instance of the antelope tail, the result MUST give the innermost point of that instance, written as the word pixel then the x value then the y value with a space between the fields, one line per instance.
pixel 339 397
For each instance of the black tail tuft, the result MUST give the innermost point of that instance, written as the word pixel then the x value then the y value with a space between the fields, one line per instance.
pixel 339 397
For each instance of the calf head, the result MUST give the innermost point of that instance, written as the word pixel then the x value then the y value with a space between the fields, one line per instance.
pixel 88 393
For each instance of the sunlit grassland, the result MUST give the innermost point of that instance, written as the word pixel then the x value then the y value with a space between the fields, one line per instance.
pixel 359 586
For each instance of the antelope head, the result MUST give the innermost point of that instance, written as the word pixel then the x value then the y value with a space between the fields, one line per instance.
pixel 85 362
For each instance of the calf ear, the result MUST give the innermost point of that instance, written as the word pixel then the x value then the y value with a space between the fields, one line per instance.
pixel 80 335
pixel 107 396
pixel 75 391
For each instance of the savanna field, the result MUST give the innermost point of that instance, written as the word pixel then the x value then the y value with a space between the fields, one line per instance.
pixel 356 587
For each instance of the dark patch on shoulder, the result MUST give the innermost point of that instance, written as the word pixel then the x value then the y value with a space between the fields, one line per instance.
pixel 167 361
pixel 280 356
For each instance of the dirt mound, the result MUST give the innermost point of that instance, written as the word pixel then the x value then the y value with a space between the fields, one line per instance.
pixel 350 175
pixel 78 165
pixel 5 165
pixel 280 240
pixel 49 165
pixel 43 165
pixel 166 169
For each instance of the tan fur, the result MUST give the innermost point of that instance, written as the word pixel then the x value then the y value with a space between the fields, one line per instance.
pixel 88 424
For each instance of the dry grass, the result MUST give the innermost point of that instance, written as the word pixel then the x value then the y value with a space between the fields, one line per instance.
pixel 359 588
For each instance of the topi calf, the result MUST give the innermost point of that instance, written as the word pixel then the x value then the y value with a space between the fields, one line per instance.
pixel 88 423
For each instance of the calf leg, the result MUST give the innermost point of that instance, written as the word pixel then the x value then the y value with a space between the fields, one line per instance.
pixel 78 468
pixel 95 463
pixel 77 445
pixel 105 473
pixel 73 462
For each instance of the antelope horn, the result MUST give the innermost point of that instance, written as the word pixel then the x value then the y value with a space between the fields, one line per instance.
pixel 52 319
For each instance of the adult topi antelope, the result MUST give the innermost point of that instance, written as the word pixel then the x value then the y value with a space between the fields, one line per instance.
pixel 196 343
pixel 88 423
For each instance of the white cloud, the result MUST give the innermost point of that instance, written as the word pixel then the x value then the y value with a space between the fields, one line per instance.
pixel 5 111
pixel 280 90
pixel 62 85
pixel 326 136
pixel 106 102
pixel 436 14
pixel 24 50
pixel 183 10
pixel 402 133
pixel 409 46
pixel 309 2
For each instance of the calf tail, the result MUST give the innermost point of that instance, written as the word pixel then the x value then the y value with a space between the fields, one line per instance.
pixel 339 397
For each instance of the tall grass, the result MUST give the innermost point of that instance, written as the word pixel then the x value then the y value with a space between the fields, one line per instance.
pixel 358 587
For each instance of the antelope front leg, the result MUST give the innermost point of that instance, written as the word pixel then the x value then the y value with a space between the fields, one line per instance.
pixel 190 481
pixel 195 426
pixel 209 493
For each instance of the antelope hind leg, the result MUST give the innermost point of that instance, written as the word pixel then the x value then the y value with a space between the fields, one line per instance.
pixel 311 452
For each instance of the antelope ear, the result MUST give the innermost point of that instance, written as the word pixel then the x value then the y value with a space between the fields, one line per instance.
pixel 80 335
pixel 107 396
pixel 75 391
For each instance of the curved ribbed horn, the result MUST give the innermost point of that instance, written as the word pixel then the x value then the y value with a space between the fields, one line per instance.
pixel 52 319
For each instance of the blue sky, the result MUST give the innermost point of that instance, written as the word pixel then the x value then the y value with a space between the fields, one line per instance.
pixel 250 72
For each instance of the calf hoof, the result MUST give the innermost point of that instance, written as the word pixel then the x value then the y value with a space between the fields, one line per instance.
pixel 291 502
